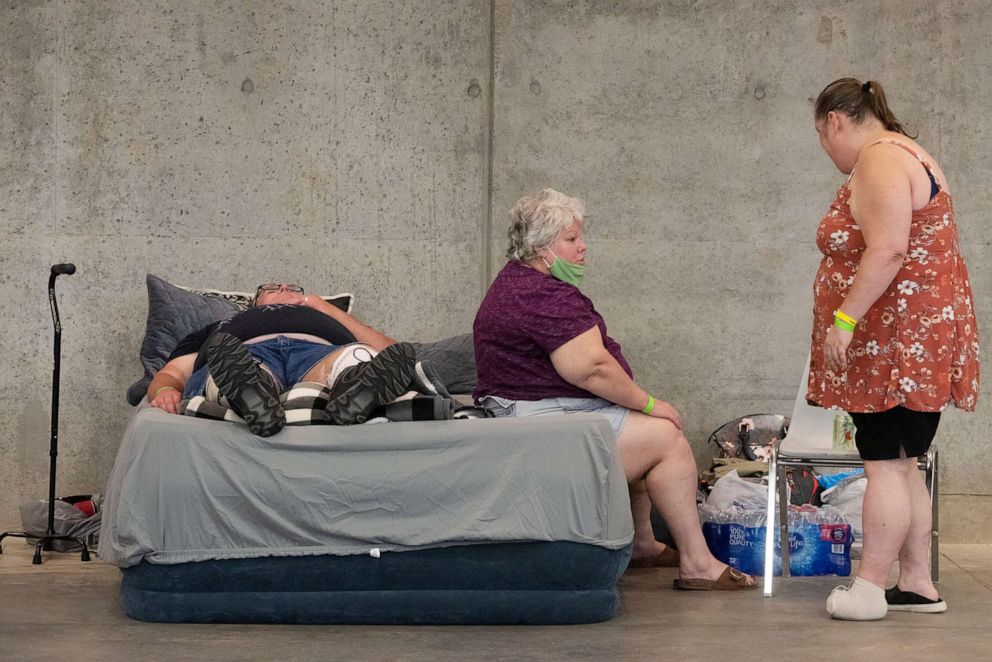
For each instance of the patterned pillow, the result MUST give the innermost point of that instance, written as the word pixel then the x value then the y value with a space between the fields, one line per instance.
pixel 243 300
pixel 174 312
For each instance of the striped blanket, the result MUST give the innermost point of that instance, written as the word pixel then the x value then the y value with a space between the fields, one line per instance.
pixel 305 404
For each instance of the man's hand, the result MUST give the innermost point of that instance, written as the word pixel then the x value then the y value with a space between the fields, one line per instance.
pixel 168 399
pixel 835 349
pixel 166 390
pixel 664 410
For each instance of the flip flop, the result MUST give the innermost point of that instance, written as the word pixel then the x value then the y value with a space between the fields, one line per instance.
pixel 667 558
pixel 730 580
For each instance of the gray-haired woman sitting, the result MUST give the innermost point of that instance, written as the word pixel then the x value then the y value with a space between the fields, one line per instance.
pixel 541 348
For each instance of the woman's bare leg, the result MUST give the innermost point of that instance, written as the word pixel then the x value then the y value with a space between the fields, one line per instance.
pixel 640 507
pixel 914 556
pixel 887 514
pixel 655 451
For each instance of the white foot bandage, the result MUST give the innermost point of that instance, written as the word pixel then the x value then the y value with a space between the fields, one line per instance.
pixel 861 601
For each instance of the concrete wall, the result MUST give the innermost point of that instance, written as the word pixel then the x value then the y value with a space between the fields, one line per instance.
pixel 223 144
pixel 346 145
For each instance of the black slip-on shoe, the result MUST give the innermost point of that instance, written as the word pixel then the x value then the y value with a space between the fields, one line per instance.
pixel 250 390
pixel 366 386
pixel 427 381
pixel 908 601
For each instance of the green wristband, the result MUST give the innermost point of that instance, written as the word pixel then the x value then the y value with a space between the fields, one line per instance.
pixel 650 406
pixel 839 314
pixel 841 324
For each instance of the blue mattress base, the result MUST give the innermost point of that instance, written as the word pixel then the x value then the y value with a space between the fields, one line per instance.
pixel 504 583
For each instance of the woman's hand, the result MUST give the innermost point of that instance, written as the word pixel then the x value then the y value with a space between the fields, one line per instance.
pixel 168 399
pixel 835 349
pixel 664 410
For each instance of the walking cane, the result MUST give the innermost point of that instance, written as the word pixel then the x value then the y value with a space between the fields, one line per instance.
pixel 45 541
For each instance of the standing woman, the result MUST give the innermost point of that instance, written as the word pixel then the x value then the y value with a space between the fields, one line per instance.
pixel 894 338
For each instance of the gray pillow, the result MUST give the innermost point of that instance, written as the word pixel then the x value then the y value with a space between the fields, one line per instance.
pixel 454 360
pixel 174 312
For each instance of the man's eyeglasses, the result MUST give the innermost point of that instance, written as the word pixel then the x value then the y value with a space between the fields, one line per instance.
pixel 275 287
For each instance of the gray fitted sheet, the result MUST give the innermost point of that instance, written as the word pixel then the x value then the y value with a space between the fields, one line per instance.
pixel 185 489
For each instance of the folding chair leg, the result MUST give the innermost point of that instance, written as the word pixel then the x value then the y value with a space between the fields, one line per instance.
pixel 783 519
pixel 932 478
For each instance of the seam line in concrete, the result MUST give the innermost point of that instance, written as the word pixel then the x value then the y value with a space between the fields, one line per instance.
pixel 59 23
pixel 491 143
pixel 967 494
pixel 978 579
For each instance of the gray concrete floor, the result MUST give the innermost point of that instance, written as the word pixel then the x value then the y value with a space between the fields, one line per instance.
pixel 68 609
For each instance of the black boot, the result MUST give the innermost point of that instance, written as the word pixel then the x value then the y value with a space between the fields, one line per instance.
pixel 366 386
pixel 250 390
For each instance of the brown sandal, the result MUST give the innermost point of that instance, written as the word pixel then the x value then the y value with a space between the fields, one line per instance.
pixel 730 580
pixel 666 558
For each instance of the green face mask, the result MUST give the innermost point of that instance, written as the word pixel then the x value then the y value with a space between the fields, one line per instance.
pixel 567 272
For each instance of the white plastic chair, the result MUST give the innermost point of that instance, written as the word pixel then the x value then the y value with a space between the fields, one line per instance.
pixel 809 441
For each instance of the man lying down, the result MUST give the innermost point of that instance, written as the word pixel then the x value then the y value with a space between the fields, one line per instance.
pixel 286 337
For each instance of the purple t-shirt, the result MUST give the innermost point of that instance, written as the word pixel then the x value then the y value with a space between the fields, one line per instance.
pixel 524 317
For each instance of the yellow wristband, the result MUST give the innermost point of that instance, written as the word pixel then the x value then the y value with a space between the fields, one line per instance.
pixel 843 317
pixel 164 388
pixel 650 406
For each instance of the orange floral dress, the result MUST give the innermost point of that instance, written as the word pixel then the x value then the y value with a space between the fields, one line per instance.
pixel 917 346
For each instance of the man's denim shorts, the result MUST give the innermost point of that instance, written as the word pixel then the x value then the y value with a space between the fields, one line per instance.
pixel 288 359
pixel 500 407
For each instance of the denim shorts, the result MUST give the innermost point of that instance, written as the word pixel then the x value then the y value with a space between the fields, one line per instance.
pixel 500 407
pixel 287 358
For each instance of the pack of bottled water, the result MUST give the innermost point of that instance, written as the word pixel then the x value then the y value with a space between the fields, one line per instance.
pixel 820 539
